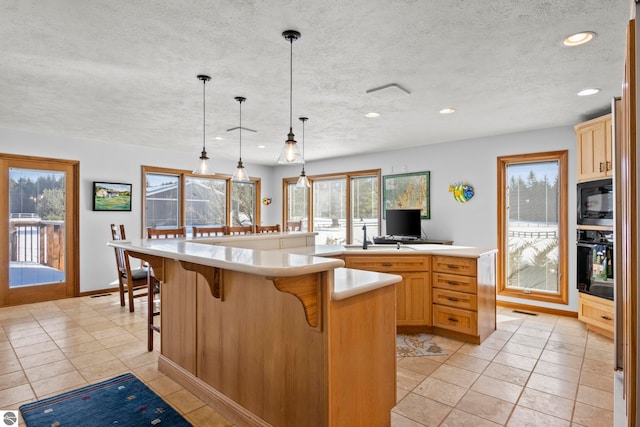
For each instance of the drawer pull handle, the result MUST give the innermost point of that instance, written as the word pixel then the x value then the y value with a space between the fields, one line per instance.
pixel 452 319
pixel 452 299
pixel 606 317
pixel 608 163
pixel 450 282
pixel 453 266
pixel 387 264
pixel 601 166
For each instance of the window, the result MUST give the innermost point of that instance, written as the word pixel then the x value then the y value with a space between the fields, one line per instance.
pixel 175 198
pixel 340 205
pixel 532 226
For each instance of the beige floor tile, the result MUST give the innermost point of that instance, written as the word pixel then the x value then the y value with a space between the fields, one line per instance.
pixel 557 371
pixel 407 379
pixel 140 359
pixel 553 386
pixel 494 342
pixel 49 370
pixel 543 334
pixel 208 417
pixel 478 351
pixel 440 391
pixel 591 416
pixel 458 418
pixel 487 407
pixel 7 354
pixel 401 393
pixel 507 373
pixel 80 349
pixel 601 382
pixel 497 388
pixel 522 350
pixel 30 340
pixel 398 420
pixel 102 326
pixel 422 410
pixel 595 397
pixel 12 379
pixel 30 350
pixel 597 354
pixel 10 365
pixel 52 327
pixel 579 341
pixel 102 371
pixel 58 383
pixel 528 341
pixel 546 403
pixel 75 331
pixel 14 395
pixel 422 365
pixel 453 375
pixel 516 361
pixel 561 358
pixel 184 401
pixel 467 362
pixel 164 386
pixel 565 348
pixel 41 359
pixel 74 340
pixel 148 372
pixel 500 335
pixel 524 417
pixel 89 359
pixel 131 349
pixel 597 366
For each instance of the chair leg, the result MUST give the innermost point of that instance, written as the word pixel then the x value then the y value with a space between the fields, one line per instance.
pixel 130 292
pixel 121 286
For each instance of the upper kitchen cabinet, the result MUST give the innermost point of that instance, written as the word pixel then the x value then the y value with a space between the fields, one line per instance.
pixel 594 148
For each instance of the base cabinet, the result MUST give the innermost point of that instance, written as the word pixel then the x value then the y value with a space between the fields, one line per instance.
pixel 597 313
pixel 413 293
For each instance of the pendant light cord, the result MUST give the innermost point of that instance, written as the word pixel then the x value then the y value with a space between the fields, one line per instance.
pixel 240 102
pixel 291 85
pixel 204 83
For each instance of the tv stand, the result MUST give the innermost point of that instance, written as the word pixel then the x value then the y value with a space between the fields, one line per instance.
pixel 409 240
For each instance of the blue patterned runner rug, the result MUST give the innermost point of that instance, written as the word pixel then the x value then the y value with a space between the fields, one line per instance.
pixel 123 401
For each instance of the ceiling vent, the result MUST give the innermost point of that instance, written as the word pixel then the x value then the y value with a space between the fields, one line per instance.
pixel 388 92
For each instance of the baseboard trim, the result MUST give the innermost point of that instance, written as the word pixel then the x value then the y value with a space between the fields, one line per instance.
pixel 537 309
pixel 99 291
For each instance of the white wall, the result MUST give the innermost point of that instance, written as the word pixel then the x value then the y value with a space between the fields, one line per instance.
pixel 110 162
pixel 473 161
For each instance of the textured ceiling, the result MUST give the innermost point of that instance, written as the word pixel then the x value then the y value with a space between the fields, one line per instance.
pixel 125 71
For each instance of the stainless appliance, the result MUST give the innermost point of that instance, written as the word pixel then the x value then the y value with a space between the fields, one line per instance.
pixel 595 263
pixel 596 202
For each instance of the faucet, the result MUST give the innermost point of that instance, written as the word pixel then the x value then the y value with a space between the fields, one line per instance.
pixel 365 244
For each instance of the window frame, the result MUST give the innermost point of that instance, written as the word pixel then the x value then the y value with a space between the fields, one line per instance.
pixel 329 176
pixel 182 175
pixel 562 296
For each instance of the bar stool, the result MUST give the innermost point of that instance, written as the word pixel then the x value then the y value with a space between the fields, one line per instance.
pixel 131 281
pixel 209 231
pixel 268 228
pixel 240 229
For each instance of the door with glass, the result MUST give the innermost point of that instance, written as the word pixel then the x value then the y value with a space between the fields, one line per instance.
pixel 39 254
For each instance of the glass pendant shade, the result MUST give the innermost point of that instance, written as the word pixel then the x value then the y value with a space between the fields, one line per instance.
pixel 303 181
pixel 203 165
pixel 290 153
pixel 240 174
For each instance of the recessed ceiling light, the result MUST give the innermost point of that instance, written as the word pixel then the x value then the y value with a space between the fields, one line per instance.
pixel 579 38
pixel 587 92
pixel 372 115
pixel 218 138
pixel 261 146
pixel 447 111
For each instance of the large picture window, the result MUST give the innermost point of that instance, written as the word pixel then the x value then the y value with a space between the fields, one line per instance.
pixel 532 198
pixel 336 207
pixel 175 198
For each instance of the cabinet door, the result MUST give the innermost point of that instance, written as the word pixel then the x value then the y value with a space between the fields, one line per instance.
pixel 608 146
pixel 594 149
pixel 413 300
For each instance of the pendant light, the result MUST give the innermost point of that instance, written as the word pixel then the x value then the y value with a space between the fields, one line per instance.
pixel 303 181
pixel 203 166
pixel 290 153
pixel 241 174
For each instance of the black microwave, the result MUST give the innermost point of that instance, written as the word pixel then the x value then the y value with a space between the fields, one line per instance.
pixel 596 202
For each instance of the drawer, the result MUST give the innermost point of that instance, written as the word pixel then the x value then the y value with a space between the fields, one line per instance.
pixel 455 282
pixel 455 265
pixel 392 263
pixel 455 299
pixel 596 311
pixel 455 319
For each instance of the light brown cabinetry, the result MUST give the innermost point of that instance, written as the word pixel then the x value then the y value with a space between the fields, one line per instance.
pixel 464 295
pixel 413 293
pixel 596 313
pixel 595 148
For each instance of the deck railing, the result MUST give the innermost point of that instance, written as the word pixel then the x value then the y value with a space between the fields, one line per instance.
pixel 37 241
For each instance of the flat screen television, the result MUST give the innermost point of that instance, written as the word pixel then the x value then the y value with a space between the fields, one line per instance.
pixel 404 222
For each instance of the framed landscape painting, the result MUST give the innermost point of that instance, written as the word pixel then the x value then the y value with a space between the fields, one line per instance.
pixel 111 196
pixel 406 191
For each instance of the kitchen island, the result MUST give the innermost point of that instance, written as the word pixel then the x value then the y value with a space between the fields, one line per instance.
pixel 270 337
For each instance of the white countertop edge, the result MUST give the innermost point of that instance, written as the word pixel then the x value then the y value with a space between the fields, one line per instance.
pixel 349 282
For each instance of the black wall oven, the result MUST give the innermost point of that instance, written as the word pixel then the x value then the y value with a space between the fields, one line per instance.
pixel 595 263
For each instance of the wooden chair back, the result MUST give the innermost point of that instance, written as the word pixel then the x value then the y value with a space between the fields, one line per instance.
pixel 294 225
pixel 268 228
pixel 130 279
pixel 209 231
pixel 159 233
pixel 240 229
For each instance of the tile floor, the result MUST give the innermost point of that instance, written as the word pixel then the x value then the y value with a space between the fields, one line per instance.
pixel 533 371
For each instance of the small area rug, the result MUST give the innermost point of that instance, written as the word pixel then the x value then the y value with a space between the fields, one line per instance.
pixel 411 345
pixel 123 401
